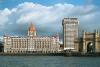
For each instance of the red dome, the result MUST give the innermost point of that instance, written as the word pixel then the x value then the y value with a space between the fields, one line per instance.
pixel 32 28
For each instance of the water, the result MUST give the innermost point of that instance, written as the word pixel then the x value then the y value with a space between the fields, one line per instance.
pixel 48 61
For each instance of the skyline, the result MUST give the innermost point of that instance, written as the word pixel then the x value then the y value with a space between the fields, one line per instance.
pixel 15 16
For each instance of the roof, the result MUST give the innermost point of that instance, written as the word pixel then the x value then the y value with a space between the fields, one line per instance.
pixel 32 28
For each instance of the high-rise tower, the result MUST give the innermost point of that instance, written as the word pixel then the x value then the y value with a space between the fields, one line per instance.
pixel 70 32
pixel 31 30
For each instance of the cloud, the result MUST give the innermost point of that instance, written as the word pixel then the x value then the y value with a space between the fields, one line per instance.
pixel 47 19
pixel 4 16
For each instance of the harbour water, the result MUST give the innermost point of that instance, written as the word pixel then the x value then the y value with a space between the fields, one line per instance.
pixel 48 61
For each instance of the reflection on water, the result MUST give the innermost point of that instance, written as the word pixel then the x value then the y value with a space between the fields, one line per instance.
pixel 48 61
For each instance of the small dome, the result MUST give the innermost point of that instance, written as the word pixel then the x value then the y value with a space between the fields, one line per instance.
pixel 32 28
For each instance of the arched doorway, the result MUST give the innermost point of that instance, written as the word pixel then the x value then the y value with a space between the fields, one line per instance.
pixel 90 47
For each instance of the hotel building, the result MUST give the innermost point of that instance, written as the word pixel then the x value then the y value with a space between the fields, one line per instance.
pixel 70 33
pixel 31 43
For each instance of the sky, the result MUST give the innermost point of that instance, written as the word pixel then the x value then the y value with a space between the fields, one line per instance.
pixel 46 15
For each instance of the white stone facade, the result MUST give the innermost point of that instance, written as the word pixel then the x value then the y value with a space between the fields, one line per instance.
pixel 31 44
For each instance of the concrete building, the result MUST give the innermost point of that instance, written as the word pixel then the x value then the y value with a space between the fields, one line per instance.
pixel 70 33
pixel 31 43
pixel 87 43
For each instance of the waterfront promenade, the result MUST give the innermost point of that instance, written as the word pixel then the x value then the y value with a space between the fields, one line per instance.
pixel 53 54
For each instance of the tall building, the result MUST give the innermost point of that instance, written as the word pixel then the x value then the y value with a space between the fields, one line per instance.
pixel 70 33
pixel 31 43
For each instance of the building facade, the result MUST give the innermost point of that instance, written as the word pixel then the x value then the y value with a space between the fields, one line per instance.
pixel 31 43
pixel 90 42
pixel 87 43
pixel 70 33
